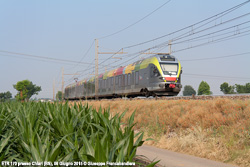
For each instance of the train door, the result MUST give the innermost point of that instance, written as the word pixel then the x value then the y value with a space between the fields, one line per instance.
pixel 129 82
pixel 154 74
pixel 145 78
pixel 112 85
pixel 125 83
pixel 116 85
pixel 133 81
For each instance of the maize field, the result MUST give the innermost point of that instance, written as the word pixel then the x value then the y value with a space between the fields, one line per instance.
pixel 54 132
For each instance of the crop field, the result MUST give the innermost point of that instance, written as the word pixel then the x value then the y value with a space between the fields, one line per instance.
pixel 52 132
pixel 216 129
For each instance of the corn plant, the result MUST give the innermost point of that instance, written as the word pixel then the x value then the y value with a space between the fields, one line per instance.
pixel 58 132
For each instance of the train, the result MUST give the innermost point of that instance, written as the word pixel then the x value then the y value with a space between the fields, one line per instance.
pixel 158 75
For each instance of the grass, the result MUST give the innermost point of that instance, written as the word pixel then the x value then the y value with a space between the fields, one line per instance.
pixel 39 132
pixel 215 129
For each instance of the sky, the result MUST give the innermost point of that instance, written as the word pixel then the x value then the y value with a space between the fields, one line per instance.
pixel 35 35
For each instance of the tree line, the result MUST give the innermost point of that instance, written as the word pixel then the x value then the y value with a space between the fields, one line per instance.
pixel 25 90
pixel 204 89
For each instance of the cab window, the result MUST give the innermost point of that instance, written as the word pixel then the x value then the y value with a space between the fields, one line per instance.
pixel 154 72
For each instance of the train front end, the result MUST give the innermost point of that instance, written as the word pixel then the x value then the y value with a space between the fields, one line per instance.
pixel 170 75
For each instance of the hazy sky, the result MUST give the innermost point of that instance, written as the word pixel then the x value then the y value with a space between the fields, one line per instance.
pixel 66 30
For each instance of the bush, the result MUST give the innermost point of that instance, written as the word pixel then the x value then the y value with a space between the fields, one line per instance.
pixel 189 91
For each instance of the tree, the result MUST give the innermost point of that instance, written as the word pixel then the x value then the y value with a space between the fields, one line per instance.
pixel 189 91
pixel 5 96
pixel 243 88
pixel 226 88
pixel 59 95
pixel 8 95
pixel 204 88
pixel 26 89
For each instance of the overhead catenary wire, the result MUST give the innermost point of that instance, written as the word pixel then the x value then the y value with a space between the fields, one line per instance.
pixel 211 37
pixel 216 15
pixel 215 76
pixel 86 53
pixel 138 53
pixel 218 40
pixel 225 22
pixel 230 37
pixel 86 73
pixel 215 41
pixel 209 34
pixel 212 40
pixel 166 43
pixel 193 29
pixel 106 36
pixel 111 56
pixel 34 59
pixel 227 11
pixel 135 55
pixel 219 57
pixel 41 57
pixel 87 69
pixel 230 20
pixel 181 60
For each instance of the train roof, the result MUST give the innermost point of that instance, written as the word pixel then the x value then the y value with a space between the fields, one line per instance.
pixel 136 66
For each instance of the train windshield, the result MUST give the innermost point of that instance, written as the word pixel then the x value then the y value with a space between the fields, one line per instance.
pixel 169 69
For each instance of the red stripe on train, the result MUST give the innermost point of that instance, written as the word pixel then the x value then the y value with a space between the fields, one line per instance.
pixel 170 78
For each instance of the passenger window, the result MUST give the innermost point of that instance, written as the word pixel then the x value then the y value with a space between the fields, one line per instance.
pixel 137 77
pixel 116 80
pixel 133 78
pixel 129 79
pixel 126 80
pixel 123 80
pixel 120 81
pixel 100 84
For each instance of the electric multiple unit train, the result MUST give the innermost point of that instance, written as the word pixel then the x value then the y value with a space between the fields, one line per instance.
pixel 158 75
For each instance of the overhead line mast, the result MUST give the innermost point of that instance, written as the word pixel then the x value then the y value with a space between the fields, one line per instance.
pixel 63 81
pixel 96 69
pixel 96 64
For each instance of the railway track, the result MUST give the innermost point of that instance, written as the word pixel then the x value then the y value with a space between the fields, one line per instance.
pixel 199 97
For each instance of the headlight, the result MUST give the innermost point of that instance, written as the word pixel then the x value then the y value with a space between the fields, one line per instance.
pixel 161 78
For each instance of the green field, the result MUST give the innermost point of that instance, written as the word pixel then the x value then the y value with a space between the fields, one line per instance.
pixel 53 132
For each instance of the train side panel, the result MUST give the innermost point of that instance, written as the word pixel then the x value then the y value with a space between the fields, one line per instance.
pixel 145 77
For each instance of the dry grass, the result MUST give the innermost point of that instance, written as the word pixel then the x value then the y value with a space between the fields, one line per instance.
pixel 214 129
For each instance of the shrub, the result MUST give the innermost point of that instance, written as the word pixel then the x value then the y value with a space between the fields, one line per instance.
pixel 189 91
